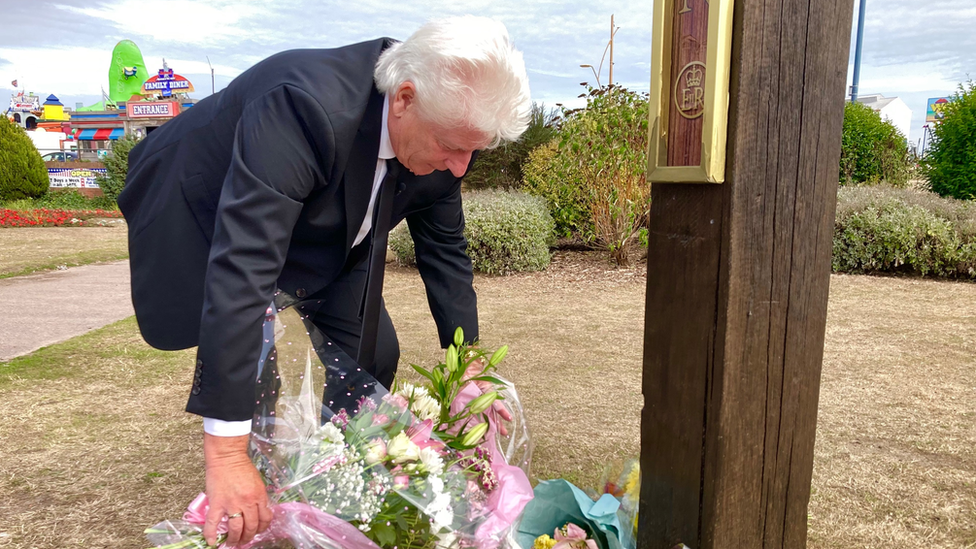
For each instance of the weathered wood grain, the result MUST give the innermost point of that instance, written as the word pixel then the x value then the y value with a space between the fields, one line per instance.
pixel 737 291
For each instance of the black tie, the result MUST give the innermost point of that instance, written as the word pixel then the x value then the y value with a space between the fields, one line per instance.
pixel 377 266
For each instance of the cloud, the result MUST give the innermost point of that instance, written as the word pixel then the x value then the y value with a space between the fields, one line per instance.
pixel 183 21
pixel 909 48
pixel 915 51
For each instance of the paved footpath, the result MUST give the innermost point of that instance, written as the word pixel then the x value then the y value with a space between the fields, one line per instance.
pixel 47 308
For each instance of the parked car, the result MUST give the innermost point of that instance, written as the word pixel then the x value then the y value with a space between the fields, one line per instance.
pixel 60 156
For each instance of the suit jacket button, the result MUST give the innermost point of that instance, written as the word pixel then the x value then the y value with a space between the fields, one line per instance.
pixel 301 293
pixel 199 363
pixel 195 391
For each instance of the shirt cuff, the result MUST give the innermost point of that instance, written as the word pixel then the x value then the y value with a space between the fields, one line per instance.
pixel 221 428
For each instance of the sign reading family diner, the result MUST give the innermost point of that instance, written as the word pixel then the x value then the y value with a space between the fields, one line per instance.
pixel 166 82
pixel 167 109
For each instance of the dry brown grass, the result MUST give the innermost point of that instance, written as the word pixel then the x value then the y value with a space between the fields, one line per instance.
pixel 96 446
pixel 895 462
pixel 28 250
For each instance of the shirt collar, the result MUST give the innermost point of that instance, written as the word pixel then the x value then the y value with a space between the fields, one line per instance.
pixel 386 147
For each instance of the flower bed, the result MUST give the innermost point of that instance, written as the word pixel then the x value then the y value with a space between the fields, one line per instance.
pixel 53 217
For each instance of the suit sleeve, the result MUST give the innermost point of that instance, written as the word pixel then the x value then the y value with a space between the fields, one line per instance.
pixel 283 148
pixel 441 249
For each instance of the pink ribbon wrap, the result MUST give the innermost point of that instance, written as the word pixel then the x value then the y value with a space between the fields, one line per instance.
pixel 299 522
pixel 514 491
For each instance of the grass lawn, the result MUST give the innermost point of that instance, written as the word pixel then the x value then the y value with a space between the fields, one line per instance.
pixel 28 250
pixel 97 447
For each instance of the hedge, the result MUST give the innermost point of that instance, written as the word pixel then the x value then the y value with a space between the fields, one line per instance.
pixel 887 230
pixel 506 231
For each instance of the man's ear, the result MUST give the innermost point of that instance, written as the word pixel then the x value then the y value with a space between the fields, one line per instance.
pixel 403 99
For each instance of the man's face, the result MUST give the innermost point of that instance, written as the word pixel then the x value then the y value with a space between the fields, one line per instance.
pixel 423 147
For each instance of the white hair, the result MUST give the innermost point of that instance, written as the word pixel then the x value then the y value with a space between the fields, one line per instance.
pixel 467 74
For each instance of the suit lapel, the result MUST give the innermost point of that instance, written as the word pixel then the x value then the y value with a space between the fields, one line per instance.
pixel 361 167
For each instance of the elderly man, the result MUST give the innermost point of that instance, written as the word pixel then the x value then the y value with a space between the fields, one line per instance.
pixel 277 182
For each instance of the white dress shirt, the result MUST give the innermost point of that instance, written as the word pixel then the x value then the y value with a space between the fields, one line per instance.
pixel 221 428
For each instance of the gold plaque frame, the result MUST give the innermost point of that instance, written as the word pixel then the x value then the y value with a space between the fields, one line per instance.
pixel 716 98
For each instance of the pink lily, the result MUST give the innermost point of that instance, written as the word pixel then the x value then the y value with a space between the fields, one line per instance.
pixel 420 433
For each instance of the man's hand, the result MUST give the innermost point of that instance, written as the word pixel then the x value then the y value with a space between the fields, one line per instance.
pixel 234 490
pixel 498 407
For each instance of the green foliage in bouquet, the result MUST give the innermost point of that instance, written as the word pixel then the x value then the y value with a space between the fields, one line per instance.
pixel 117 167
pixel 502 167
pixel 22 172
pixel 506 232
pixel 950 163
pixel 872 149
pixel 463 363
pixel 594 177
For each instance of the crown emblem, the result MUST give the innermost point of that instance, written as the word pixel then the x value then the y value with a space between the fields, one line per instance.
pixel 693 78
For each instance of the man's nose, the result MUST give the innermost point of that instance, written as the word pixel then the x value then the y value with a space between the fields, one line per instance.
pixel 458 162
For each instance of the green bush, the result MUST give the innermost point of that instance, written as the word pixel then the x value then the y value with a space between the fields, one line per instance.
pixel 502 167
pixel 506 231
pixel 597 172
pixel 884 230
pixel 22 172
pixel 950 163
pixel 117 167
pixel 66 199
pixel 568 201
pixel 872 149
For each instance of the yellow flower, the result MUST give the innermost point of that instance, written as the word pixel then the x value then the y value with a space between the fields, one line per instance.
pixel 544 542
pixel 632 485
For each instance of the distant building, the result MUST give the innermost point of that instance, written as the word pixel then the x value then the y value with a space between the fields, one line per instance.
pixel 891 109
pixel 54 109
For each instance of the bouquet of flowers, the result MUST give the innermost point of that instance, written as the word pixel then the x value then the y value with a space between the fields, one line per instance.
pixel 425 466
pixel 605 518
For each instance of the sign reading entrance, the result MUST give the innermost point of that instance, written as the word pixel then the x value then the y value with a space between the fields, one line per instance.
pixel 689 90
pixel 152 110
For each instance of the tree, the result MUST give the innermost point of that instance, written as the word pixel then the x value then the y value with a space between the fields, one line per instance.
pixel 22 172
pixel 117 167
pixel 950 163
pixel 872 149
pixel 502 167
pixel 594 175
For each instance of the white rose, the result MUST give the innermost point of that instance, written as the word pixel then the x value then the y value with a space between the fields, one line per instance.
pixel 402 449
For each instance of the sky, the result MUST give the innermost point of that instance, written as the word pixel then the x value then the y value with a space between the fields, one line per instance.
pixel 912 49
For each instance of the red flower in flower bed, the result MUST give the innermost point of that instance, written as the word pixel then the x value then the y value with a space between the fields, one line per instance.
pixel 52 218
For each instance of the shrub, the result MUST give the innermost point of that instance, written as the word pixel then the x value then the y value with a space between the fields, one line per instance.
pixel 950 164
pixel 117 167
pixel 885 230
pixel 567 200
pixel 22 172
pixel 502 167
pixel 872 149
pixel 506 231
pixel 64 199
pixel 597 171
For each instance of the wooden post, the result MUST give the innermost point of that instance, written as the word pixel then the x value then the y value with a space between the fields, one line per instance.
pixel 737 285
pixel 611 49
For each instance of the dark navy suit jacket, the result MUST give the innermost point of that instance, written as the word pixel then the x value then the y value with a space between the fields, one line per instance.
pixel 264 185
